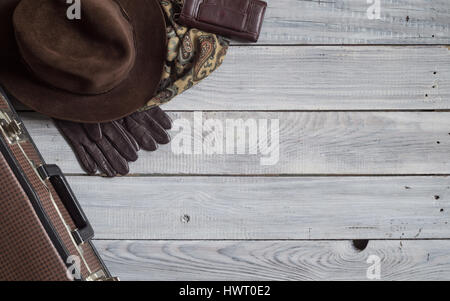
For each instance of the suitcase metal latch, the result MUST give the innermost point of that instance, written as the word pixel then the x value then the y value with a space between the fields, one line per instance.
pixel 101 276
pixel 11 128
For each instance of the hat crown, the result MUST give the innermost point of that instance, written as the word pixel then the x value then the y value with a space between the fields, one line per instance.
pixel 91 55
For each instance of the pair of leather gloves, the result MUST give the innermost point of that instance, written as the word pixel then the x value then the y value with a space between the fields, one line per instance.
pixel 109 147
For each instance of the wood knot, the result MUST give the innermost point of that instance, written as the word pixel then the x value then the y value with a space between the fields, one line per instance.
pixel 360 244
pixel 185 219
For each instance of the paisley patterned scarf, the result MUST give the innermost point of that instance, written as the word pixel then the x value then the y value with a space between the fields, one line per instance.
pixel 192 55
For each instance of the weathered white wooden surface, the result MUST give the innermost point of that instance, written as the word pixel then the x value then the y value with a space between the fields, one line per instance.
pixel 275 260
pixel 325 78
pixel 347 22
pixel 266 207
pixel 350 116
pixel 310 143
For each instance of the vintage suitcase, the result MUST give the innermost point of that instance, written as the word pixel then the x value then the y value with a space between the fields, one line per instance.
pixel 44 233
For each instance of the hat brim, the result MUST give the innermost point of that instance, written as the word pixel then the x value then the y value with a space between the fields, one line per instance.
pixel 133 93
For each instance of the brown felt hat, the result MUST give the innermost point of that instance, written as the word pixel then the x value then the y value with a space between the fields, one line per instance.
pixel 99 68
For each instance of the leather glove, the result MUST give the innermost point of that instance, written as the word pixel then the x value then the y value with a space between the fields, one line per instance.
pixel 148 128
pixel 110 146
pixel 106 146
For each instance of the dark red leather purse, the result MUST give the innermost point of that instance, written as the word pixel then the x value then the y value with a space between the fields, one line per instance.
pixel 236 19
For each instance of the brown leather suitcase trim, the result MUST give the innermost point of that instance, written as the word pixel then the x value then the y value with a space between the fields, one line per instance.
pixel 23 161
pixel 37 246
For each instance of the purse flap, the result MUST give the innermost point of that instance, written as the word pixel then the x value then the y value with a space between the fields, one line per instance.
pixel 230 14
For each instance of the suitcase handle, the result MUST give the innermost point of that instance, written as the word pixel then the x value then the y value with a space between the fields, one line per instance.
pixel 84 231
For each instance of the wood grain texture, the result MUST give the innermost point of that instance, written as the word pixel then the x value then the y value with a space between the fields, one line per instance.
pixel 347 22
pixel 266 207
pixel 274 260
pixel 324 78
pixel 310 143
pixel 205 203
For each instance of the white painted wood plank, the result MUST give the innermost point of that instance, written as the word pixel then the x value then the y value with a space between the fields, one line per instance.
pixel 274 260
pixel 266 207
pixel 310 143
pixel 347 22
pixel 325 78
